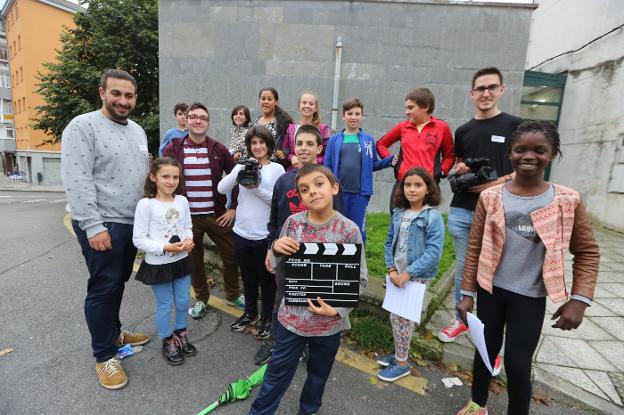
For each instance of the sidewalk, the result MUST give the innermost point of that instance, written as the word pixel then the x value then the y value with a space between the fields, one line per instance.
pixel 7 184
pixel 585 365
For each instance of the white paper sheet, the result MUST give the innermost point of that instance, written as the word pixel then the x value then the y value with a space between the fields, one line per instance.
pixel 450 382
pixel 406 302
pixel 476 333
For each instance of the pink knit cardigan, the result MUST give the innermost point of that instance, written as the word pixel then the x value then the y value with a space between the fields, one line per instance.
pixel 561 225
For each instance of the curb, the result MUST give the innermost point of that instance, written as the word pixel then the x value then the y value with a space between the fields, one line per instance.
pixel 30 190
pixel 563 391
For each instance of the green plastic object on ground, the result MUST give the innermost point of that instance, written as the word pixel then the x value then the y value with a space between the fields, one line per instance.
pixel 237 391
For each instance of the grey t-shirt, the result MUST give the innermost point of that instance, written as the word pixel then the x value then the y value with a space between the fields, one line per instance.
pixel 520 267
pixel 400 251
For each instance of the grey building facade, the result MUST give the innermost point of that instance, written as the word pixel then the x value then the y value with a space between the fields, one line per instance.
pixel 223 52
pixel 592 116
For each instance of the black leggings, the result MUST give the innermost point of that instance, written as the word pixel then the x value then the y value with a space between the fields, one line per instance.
pixel 250 255
pixel 521 318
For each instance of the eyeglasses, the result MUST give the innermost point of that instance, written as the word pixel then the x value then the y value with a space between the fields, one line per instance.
pixel 202 118
pixel 490 88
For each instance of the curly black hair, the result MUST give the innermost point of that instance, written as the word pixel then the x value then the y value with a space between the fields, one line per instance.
pixel 548 128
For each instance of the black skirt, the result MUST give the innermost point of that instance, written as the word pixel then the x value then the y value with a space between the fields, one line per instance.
pixel 158 274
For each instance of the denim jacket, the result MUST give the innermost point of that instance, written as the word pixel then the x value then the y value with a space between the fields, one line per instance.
pixel 426 240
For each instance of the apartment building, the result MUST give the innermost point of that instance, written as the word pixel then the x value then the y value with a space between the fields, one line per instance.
pixel 33 31
pixel 7 130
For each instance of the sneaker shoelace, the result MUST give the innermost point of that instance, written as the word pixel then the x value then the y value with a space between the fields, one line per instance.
pixel 182 339
pixel 112 366
pixel 172 345
pixel 455 326
pixel 199 306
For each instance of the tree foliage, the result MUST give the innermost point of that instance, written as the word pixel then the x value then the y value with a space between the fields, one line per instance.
pixel 120 34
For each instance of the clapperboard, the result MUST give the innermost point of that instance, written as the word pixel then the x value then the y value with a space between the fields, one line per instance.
pixel 327 270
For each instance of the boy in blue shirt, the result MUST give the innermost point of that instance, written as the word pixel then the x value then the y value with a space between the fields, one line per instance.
pixel 181 130
pixel 352 157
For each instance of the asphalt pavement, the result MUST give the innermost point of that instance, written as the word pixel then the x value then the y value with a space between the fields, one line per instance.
pixel 51 370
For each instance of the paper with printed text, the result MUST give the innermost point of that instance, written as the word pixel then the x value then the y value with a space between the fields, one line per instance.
pixel 476 334
pixel 406 302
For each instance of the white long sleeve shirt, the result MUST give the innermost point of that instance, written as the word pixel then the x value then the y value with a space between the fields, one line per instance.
pixel 155 222
pixel 254 205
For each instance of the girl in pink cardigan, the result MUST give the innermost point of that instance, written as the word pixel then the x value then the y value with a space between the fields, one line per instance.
pixel 514 260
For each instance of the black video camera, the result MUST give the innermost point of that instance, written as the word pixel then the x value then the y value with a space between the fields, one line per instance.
pixel 250 176
pixel 480 172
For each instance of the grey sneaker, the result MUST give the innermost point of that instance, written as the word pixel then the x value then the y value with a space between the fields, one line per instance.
pixel 237 302
pixel 198 310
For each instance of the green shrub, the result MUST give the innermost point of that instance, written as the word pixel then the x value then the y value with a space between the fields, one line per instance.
pixel 371 333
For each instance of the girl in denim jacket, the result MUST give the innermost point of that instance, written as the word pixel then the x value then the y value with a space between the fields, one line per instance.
pixel 412 253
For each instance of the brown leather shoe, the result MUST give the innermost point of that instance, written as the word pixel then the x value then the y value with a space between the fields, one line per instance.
pixel 133 339
pixel 111 375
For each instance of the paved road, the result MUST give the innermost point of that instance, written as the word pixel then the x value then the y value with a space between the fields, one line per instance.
pixel 42 287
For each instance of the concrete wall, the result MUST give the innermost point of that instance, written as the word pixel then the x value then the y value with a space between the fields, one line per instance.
pixel 222 52
pixel 592 115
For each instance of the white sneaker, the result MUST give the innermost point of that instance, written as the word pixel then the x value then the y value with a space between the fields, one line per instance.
pixel 198 310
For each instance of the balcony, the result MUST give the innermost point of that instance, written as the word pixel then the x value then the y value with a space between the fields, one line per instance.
pixel 7 145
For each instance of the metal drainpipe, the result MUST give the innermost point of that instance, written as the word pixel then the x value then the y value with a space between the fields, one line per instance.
pixel 334 117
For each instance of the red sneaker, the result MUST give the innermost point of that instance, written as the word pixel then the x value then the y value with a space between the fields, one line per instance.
pixel 450 333
pixel 497 366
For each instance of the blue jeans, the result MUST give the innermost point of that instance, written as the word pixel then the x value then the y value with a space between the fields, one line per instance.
pixel 354 207
pixel 283 366
pixel 176 292
pixel 459 221
pixel 108 273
